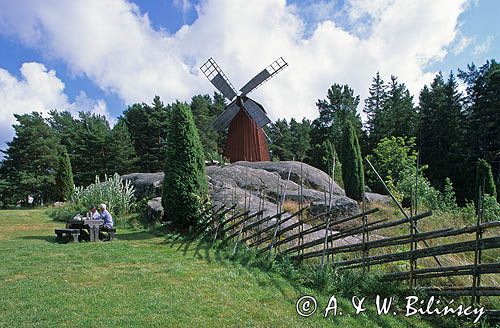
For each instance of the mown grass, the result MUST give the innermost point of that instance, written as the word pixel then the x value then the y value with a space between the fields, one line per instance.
pixel 143 279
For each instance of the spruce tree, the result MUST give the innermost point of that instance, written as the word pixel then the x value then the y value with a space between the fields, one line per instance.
pixel 64 177
pixel 399 116
pixel 441 134
pixel 185 184
pixel 352 164
pixel 483 116
pixel 374 106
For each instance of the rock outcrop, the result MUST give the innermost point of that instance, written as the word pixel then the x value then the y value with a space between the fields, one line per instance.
pixel 255 185
pixel 261 185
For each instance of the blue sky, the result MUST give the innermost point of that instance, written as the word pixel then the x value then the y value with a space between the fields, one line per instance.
pixel 102 56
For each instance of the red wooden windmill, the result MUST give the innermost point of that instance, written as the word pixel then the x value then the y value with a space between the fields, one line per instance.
pixel 243 116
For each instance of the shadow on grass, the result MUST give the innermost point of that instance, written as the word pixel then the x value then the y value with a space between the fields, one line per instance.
pixel 140 235
pixel 50 239
pixel 204 249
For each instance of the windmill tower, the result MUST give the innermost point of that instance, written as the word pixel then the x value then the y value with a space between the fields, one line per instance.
pixel 243 116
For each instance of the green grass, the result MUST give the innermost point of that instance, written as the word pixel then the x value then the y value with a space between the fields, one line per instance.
pixel 142 279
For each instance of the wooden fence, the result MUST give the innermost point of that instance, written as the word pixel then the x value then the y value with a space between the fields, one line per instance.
pixel 283 233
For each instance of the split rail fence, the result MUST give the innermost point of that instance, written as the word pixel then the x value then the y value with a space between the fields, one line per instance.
pixel 284 233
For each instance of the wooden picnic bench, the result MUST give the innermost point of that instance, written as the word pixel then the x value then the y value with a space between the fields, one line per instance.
pixel 91 225
pixel 110 231
pixel 75 233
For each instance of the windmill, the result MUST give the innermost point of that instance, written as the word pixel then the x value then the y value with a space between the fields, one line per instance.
pixel 243 116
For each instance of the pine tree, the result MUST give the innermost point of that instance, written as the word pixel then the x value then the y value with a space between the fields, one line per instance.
pixel 301 138
pixel 352 164
pixel 32 158
pixel 185 184
pixel 339 107
pixel 282 139
pixel 91 154
pixel 121 154
pixel 64 177
pixel 147 126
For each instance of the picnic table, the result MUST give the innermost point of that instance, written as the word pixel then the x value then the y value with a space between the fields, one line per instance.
pixel 91 225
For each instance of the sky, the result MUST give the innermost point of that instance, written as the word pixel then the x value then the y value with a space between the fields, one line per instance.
pixel 104 55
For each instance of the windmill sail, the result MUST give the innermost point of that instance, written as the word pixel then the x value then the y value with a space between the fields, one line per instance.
pixel 264 75
pixel 222 121
pixel 256 112
pixel 244 118
pixel 217 77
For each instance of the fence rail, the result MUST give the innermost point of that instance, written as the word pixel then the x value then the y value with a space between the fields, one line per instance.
pixel 275 233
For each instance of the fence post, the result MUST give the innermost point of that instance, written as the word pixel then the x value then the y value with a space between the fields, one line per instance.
pixel 278 223
pixel 365 235
pixel 415 209
pixel 412 260
pixel 301 226
pixel 399 205
pixel 239 234
pixel 476 277
pixel 325 243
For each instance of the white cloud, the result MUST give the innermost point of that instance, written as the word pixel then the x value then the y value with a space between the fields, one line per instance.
pixel 483 47
pixel 115 46
pixel 462 44
pixel 40 90
pixel 183 5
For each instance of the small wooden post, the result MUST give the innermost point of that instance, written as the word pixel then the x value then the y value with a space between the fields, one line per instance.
pixel 365 233
pixel 301 226
pixel 476 277
pixel 278 223
pixel 412 260
pixel 325 243
pixel 415 209
pixel 239 234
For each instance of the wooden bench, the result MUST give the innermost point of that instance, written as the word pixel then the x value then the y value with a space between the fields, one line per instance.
pixel 111 232
pixel 75 233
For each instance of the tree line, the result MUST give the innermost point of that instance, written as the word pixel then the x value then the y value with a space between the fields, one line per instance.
pixel 449 131
pixel 136 143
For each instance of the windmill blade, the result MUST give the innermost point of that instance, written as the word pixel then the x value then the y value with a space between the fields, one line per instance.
pixel 217 77
pixel 223 120
pixel 264 75
pixel 256 112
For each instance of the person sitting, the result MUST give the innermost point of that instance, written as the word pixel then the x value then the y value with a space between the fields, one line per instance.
pixel 106 216
pixel 94 215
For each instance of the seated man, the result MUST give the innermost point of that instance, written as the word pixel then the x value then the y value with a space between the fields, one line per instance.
pixel 94 215
pixel 108 219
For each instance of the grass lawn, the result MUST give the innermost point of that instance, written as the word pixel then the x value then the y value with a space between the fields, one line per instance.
pixel 144 280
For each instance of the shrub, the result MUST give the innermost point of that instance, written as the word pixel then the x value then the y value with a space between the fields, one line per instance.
pixel 449 200
pixel 352 164
pixel 116 194
pixel 491 209
pixel 64 177
pixel 185 184
pixel 393 157
pixel 66 212
pixel 484 178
